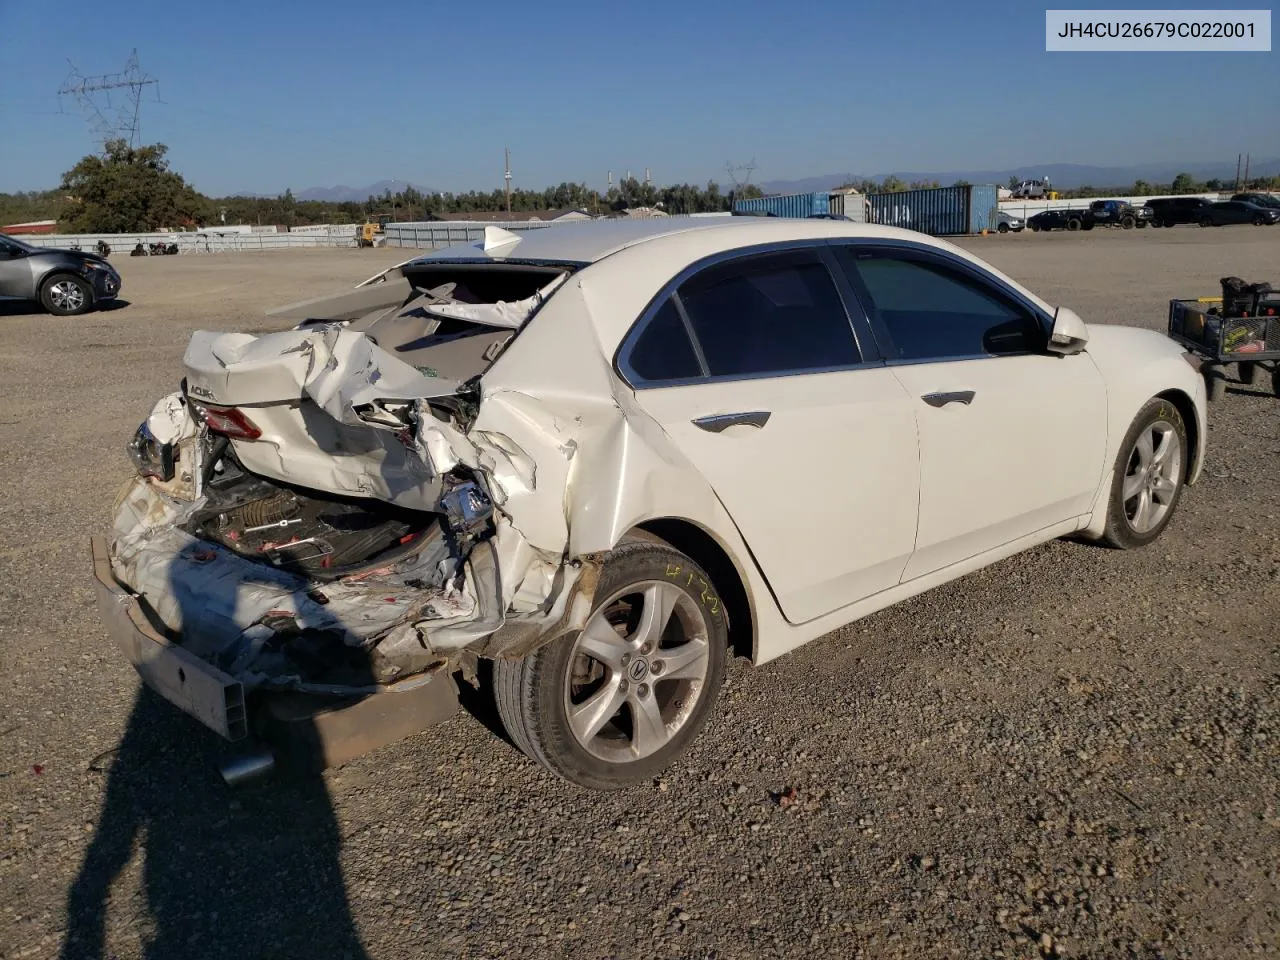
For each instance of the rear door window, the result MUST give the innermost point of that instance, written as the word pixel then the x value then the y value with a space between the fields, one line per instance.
pixel 772 314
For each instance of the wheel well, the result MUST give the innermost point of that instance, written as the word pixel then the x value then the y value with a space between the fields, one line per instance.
pixel 700 546
pixel 1188 411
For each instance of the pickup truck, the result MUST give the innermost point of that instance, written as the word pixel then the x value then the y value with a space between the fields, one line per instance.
pixel 1100 213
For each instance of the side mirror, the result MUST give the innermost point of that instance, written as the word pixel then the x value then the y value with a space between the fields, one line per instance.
pixel 1069 332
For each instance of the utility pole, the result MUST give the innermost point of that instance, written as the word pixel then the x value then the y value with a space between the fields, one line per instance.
pixel 507 177
pixel 1239 157
pixel 1246 171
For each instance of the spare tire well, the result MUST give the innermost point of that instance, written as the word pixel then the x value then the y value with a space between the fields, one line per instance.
pixel 701 547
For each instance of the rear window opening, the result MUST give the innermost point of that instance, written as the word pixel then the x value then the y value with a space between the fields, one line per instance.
pixel 459 317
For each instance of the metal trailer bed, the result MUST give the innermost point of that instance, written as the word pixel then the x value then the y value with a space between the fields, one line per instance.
pixel 1252 343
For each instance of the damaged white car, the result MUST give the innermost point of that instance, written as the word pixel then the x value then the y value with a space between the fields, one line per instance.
pixel 600 458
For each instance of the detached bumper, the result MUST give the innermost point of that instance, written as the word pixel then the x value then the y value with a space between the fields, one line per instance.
pixel 186 681
pixel 307 732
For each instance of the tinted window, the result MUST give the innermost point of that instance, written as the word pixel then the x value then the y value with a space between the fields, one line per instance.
pixel 932 312
pixel 663 351
pixel 771 314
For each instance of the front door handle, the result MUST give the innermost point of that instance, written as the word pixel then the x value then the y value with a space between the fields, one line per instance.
pixel 942 399
pixel 722 421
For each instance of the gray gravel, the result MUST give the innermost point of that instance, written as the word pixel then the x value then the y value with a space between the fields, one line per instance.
pixel 1072 753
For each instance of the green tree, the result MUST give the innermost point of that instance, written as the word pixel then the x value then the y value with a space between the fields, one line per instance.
pixel 130 189
pixel 962 183
pixel 1013 182
pixel 1183 183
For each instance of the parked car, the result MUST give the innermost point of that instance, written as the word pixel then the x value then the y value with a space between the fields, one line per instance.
pixel 1226 212
pixel 567 452
pixel 1115 213
pixel 1032 189
pixel 1057 219
pixel 1007 222
pixel 64 282
pixel 1171 211
pixel 1269 200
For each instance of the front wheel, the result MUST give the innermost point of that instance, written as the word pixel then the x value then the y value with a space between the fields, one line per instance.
pixel 66 296
pixel 619 702
pixel 1206 222
pixel 1003 228
pixel 1148 478
pixel 1259 221
pixel 1073 224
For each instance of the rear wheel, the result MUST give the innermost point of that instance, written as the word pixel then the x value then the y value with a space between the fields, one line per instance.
pixel 1149 475
pixel 66 296
pixel 619 702
pixel 1073 224
pixel 1206 222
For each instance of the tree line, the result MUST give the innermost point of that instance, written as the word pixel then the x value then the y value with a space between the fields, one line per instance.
pixel 132 189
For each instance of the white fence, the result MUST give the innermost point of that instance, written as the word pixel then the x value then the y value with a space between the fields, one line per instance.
pixel 204 241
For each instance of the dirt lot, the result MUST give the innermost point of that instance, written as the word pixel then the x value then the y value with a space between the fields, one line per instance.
pixel 1073 753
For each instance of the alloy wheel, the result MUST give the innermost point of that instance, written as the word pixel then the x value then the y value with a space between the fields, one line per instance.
pixel 67 295
pixel 1152 477
pixel 636 672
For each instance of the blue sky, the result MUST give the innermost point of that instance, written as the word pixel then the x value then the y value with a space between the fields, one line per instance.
pixel 262 96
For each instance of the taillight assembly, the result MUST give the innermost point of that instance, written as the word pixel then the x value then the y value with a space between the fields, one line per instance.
pixel 227 421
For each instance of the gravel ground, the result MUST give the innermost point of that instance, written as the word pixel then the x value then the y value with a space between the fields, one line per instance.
pixel 1072 753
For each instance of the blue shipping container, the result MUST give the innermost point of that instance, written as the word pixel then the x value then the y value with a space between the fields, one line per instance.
pixel 945 211
pixel 788 205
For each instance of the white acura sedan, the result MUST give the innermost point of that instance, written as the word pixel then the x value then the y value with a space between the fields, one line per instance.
pixel 600 457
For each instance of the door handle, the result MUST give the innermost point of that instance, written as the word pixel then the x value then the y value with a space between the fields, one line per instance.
pixel 942 399
pixel 722 421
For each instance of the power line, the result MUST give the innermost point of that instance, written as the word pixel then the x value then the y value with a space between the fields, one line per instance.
pixel 115 123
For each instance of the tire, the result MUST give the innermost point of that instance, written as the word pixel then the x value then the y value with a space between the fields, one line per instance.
pixel 1127 223
pixel 1157 223
pixel 1206 222
pixel 1215 383
pixel 1259 221
pixel 534 694
pixel 1154 478
pixel 1073 224
pixel 66 295
pixel 1035 227
pixel 1003 228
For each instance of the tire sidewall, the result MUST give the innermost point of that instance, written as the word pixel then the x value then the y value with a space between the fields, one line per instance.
pixel 629 563
pixel 47 302
pixel 1119 531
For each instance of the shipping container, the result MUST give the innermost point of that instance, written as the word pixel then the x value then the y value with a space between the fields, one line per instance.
pixel 851 205
pixel 942 212
pixel 788 205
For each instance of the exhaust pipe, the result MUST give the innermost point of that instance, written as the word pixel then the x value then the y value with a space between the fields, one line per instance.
pixel 247 767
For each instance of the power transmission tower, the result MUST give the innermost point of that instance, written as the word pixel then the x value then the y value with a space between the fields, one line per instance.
pixel 740 183
pixel 118 123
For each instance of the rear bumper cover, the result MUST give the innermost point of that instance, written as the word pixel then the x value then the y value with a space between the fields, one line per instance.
pixel 189 683
pixel 311 732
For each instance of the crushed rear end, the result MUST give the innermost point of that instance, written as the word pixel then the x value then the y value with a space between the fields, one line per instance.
pixel 318 539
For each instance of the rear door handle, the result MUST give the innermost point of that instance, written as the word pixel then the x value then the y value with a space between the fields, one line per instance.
pixel 942 399
pixel 722 421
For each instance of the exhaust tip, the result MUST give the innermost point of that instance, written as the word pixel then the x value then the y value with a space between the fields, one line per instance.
pixel 248 767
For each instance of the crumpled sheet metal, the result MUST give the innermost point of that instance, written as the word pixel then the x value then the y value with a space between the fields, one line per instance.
pixel 338 369
pixel 218 600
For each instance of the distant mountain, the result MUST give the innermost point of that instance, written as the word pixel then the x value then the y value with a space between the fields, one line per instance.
pixel 1065 175
pixel 343 193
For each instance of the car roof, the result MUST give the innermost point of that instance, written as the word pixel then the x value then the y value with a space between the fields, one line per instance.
pixel 593 241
